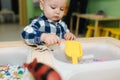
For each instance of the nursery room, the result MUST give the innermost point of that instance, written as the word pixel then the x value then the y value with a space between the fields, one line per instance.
pixel 59 40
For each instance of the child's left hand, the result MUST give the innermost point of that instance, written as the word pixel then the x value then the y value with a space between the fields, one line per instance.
pixel 69 36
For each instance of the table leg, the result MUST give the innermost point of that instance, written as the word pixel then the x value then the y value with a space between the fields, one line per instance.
pixel 96 27
pixel 71 24
pixel 77 26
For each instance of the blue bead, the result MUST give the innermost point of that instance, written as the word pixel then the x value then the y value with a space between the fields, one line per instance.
pixel 20 72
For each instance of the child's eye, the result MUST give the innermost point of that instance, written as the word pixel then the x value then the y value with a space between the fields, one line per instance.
pixel 62 9
pixel 53 7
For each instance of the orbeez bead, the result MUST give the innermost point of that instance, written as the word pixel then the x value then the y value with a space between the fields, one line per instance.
pixel 13 72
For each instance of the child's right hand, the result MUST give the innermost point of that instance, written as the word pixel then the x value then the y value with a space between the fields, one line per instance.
pixel 50 39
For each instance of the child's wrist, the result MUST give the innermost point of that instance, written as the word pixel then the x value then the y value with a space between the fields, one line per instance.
pixel 42 38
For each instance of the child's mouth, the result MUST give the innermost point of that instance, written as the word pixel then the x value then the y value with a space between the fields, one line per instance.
pixel 56 17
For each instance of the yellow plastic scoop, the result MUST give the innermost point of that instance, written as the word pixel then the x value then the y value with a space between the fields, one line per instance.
pixel 74 50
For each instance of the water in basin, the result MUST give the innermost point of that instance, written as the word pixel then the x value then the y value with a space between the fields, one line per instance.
pixel 92 53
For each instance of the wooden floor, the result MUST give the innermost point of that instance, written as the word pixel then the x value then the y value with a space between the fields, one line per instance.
pixel 10 32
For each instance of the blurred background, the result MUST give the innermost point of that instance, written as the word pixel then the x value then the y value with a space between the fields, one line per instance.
pixel 16 14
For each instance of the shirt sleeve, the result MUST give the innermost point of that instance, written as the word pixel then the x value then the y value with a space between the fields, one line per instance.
pixel 31 33
pixel 65 27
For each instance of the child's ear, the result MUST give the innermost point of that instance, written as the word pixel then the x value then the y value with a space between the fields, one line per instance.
pixel 41 4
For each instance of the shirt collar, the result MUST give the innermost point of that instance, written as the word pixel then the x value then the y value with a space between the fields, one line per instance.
pixel 50 21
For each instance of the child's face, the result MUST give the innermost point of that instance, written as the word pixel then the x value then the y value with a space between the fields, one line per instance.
pixel 53 9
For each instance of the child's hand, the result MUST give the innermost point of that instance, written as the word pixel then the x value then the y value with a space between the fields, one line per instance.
pixel 69 36
pixel 50 38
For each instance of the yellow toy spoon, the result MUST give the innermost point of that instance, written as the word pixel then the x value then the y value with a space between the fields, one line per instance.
pixel 74 50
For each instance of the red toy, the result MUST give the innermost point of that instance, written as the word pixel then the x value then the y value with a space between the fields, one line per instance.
pixel 42 71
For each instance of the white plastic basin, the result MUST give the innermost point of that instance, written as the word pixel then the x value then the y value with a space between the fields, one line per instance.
pixel 104 63
pixel 101 71
pixel 14 55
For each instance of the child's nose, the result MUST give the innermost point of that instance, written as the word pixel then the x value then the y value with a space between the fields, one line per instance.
pixel 57 11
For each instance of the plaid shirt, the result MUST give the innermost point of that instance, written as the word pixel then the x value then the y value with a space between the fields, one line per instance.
pixel 32 33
